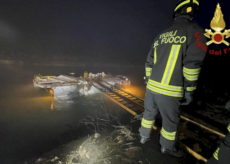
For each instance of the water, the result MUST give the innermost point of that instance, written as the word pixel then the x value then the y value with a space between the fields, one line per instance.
pixel 31 125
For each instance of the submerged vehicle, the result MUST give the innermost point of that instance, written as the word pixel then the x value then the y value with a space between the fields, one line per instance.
pixel 69 87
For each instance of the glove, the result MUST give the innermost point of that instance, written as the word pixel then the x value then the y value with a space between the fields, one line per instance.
pixel 138 116
pixel 146 79
pixel 188 97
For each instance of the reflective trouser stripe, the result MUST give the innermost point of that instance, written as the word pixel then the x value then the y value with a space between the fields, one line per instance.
pixel 168 135
pixel 191 74
pixel 229 127
pixel 171 64
pixel 155 56
pixel 147 123
pixel 215 155
pixel 148 71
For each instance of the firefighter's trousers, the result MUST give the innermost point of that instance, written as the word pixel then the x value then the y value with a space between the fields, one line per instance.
pixel 222 153
pixel 169 108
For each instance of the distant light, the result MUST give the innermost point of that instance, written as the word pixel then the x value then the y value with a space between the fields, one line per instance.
pixel 126 79
pixel 52 106
pixel 51 92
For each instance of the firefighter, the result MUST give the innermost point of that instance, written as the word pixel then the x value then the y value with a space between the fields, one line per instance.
pixel 172 69
pixel 222 153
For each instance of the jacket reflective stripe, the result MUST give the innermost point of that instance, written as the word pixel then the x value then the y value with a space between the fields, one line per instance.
pixel 191 71
pixel 215 155
pixel 148 71
pixel 185 2
pixel 168 135
pixel 171 64
pixel 229 127
pixel 155 56
pixel 191 88
pixel 191 74
pixel 147 124
pixel 191 78
pixel 164 92
pixel 166 87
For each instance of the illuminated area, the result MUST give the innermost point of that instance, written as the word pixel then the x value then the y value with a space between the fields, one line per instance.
pixel 67 88
pixel 72 87
pixel 136 90
pixel 108 138
pixel 51 92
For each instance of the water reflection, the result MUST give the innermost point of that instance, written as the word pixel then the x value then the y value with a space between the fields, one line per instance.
pixel 32 124
pixel 136 90
pixel 52 106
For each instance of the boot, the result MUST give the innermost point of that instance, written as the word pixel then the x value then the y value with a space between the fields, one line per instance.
pixel 175 152
pixel 144 139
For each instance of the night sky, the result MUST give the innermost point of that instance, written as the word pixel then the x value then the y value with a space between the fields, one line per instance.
pixel 89 30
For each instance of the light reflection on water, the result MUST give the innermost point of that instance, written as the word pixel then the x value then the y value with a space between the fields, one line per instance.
pixel 31 124
pixel 136 90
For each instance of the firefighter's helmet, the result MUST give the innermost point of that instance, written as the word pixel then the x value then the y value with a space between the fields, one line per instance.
pixel 186 7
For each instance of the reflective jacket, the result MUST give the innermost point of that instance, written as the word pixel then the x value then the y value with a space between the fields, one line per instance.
pixel 174 60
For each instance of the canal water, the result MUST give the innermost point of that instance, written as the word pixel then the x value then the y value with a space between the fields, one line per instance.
pixel 31 124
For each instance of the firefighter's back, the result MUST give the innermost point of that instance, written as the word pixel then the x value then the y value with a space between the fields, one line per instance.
pixel 170 48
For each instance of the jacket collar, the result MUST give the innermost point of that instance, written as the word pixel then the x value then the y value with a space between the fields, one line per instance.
pixel 183 17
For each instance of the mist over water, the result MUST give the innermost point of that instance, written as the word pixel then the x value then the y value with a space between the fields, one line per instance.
pixel 31 125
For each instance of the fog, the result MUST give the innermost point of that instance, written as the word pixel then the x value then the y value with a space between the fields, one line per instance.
pixel 29 125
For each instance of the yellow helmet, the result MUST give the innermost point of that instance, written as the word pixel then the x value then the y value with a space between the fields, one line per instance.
pixel 186 7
